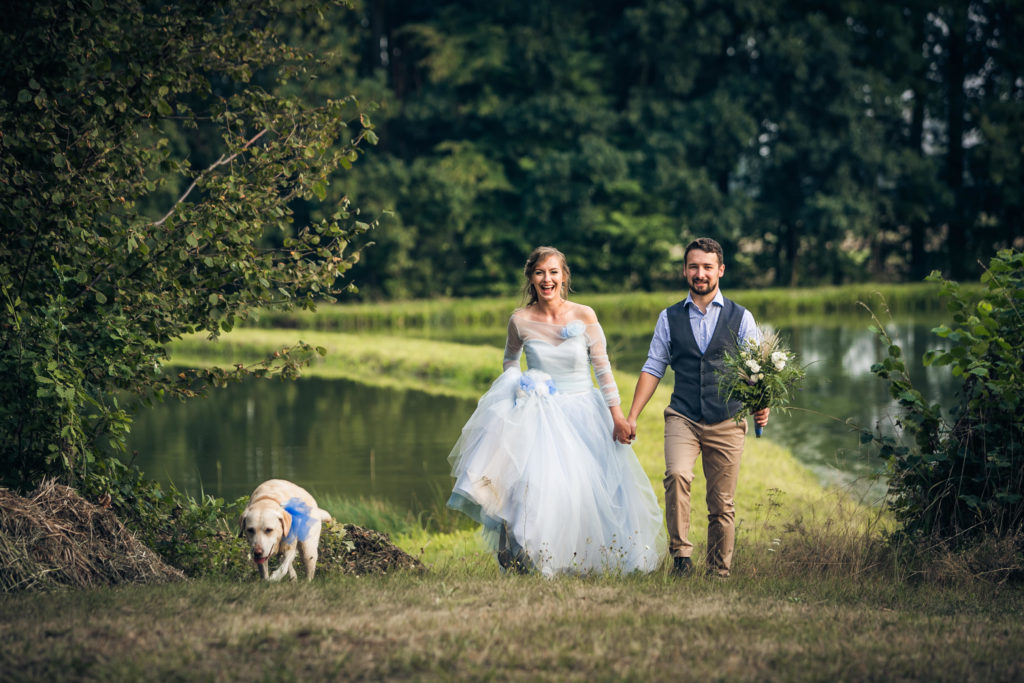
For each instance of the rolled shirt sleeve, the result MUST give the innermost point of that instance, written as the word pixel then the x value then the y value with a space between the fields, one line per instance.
pixel 658 354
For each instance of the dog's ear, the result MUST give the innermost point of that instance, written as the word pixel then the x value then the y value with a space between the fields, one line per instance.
pixel 241 525
pixel 286 524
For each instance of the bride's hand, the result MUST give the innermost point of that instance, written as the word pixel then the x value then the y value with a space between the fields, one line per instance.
pixel 622 432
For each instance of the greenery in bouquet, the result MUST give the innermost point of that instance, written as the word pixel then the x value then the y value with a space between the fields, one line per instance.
pixel 761 374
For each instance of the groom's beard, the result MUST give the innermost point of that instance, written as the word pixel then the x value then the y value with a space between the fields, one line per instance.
pixel 705 287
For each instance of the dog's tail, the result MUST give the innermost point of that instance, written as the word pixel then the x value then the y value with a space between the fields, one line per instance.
pixel 325 516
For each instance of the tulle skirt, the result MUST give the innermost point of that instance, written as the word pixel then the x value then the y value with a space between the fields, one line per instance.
pixel 541 466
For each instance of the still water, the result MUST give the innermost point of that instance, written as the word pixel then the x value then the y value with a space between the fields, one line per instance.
pixel 347 439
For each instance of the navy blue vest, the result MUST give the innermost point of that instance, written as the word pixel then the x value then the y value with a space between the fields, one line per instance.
pixel 696 393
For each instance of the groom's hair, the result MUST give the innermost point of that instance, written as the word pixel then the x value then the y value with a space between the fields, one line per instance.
pixel 705 244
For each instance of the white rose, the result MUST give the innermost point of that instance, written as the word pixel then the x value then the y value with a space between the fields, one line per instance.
pixel 753 365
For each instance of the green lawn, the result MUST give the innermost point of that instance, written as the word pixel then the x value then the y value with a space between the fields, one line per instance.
pixel 816 594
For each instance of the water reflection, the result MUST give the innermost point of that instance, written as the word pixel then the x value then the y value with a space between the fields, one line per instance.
pixel 329 436
pixel 839 396
pixel 344 438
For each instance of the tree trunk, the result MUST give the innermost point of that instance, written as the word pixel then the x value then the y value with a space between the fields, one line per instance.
pixel 918 258
pixel 959 265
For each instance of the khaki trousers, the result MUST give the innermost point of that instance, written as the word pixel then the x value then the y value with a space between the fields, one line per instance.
pixel 720 446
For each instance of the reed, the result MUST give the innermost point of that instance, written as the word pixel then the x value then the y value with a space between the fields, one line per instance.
pixel 486 318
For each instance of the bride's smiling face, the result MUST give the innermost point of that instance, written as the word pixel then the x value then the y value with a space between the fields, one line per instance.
pixel 547 278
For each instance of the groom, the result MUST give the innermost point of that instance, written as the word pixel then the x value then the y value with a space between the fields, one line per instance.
pixel 691 337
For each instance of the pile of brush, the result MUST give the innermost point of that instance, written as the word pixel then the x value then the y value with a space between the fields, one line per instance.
pixel 53 538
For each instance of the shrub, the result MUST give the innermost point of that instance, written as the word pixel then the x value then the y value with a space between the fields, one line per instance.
pixel 148 192
pixel 959 477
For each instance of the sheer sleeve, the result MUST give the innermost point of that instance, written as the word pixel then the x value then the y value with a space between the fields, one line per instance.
pixel 598 348
pixel 513 346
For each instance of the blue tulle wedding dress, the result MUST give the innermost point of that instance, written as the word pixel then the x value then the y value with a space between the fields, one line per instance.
pixel 536 464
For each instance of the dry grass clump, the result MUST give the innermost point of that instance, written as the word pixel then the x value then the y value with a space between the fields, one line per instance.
pixel 834 538
pixel 944 561
pixel 55 538
pixel 832 546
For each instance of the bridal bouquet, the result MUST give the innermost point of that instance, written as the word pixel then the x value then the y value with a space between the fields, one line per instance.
pixel 761 375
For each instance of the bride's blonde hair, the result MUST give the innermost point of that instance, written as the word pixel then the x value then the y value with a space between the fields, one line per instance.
pixel 536 256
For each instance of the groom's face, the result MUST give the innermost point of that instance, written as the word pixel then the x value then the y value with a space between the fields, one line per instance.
pixel 703 271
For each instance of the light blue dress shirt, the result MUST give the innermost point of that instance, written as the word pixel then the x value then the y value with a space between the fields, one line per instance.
pixel 703 326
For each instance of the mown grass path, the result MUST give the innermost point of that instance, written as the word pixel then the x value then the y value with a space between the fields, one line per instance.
pixel 465 623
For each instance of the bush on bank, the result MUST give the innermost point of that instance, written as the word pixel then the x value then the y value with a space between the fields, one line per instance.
pixel 961 480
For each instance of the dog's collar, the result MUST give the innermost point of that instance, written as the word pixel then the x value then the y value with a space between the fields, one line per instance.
pixel 256 500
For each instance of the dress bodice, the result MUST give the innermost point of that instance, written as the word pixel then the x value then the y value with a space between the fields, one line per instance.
pixel 566 352
pixel 568 363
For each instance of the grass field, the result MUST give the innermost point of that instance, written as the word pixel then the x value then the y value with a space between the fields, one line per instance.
pixel 462 621
pixel 817 594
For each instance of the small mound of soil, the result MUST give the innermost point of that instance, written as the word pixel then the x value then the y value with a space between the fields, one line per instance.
pixel 351 549
pixel 54 538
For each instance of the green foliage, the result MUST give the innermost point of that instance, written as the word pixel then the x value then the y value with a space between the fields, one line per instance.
pixel 965 474
pixel 144 174
pixel 819 142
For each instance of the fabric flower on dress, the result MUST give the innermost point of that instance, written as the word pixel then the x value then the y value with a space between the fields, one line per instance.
pixel 535 382
pixel 576 327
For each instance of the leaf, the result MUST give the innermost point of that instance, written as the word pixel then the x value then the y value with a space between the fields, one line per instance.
pixel 320 190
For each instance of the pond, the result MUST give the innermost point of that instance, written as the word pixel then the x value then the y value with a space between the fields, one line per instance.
pixel 347 439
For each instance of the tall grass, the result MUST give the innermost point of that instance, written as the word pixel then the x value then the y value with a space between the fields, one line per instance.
pixel 474 319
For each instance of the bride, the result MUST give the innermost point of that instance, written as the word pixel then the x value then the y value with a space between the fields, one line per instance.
pixel 537 464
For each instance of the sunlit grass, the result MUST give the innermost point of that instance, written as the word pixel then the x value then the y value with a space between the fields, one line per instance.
pixel 434 367
pixel 486 318
pixel 770 477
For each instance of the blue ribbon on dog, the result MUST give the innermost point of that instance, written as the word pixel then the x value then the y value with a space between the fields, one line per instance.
pixel 301 520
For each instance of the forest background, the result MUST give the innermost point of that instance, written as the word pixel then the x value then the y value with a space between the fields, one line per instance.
pixel 819 142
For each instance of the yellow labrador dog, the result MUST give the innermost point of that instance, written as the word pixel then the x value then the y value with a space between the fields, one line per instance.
pixel 279 517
